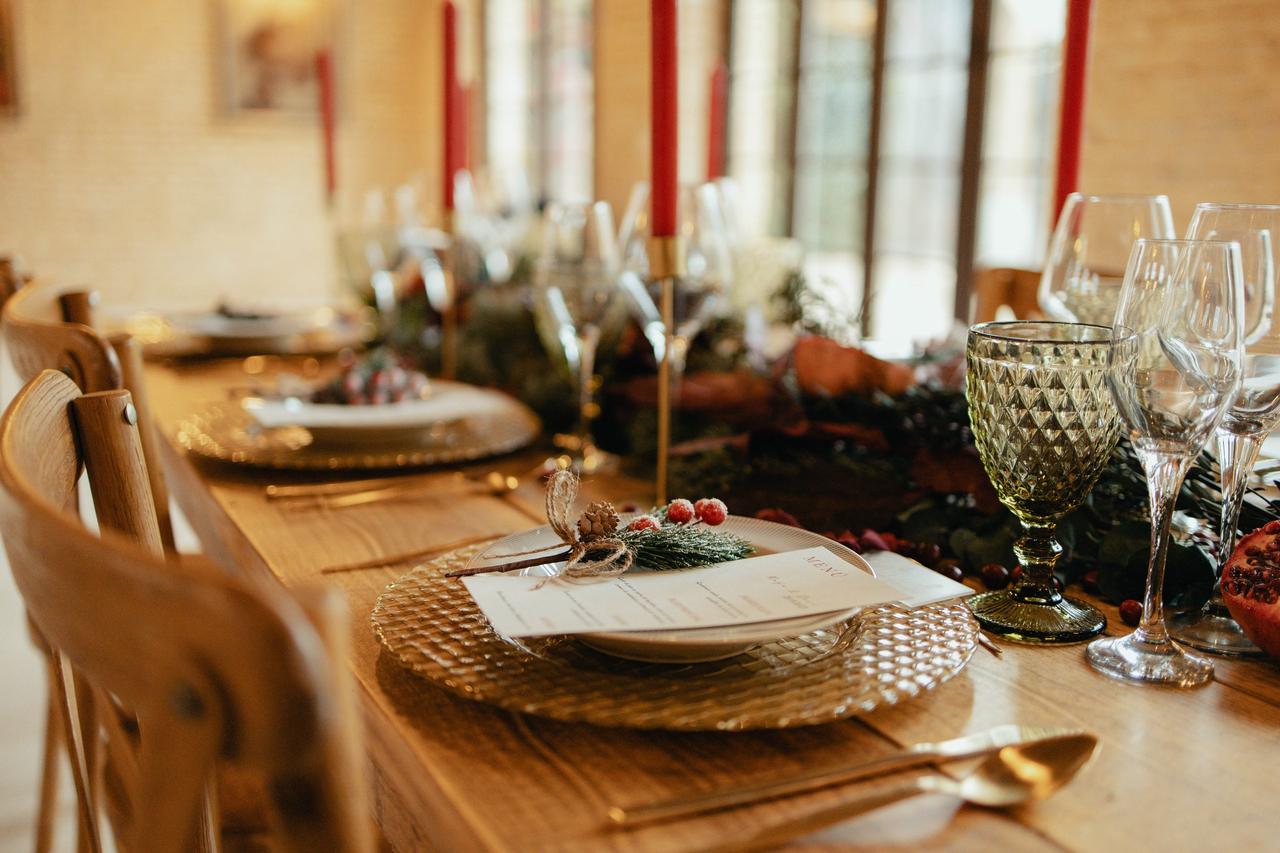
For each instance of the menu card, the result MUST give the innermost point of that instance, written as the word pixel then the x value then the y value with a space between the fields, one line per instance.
pixel 756 589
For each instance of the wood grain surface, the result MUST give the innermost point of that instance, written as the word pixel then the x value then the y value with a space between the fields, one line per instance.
pixel 1177 770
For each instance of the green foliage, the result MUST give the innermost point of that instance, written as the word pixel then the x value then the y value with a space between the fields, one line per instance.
pixel 679 546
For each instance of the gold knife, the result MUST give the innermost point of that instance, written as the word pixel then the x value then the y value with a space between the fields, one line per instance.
pixel 919 755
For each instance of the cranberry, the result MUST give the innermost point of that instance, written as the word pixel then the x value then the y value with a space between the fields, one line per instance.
pixel 680 511
pixel 995 576
pixel 779 516
pixel 1016 574
pixel 711 511
pixel 644 522
pixel 950 570
pixel 849 541
pixel 1090 581
pixel 1131 611
pixel 928 553
pixel 872 541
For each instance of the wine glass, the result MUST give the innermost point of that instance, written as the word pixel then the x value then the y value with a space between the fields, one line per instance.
pixel 1175 372
pixel 575 282
pixel 1254 412
pixel 1045 424
pixel 1090 246
pixel 708 269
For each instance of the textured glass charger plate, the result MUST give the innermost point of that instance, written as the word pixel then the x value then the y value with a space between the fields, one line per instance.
pixel 226 432
pixel 884 656
pixel 692 645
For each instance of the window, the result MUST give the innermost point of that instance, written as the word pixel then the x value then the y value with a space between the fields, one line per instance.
pixel 539 91
pixel 809 68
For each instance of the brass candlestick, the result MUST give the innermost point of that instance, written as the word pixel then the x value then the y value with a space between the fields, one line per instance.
pixel 449 316
pixel 666 264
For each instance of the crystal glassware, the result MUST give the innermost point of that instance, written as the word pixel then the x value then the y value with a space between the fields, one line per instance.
pixel 1255 411
pixel 575 282
pixel 708 268
pixel 1174 371
pixel 1045 424
pixel 1089 249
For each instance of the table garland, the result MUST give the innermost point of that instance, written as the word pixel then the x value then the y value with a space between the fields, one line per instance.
pixel 839 441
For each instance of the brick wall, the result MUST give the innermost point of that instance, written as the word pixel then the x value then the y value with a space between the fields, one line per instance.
pixel 121 174
pixel 1182 99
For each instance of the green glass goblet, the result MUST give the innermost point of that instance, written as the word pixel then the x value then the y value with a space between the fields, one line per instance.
pixel 1045 424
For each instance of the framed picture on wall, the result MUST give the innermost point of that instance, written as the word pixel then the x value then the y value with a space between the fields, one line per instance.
pixel 8 61
pixel 272 53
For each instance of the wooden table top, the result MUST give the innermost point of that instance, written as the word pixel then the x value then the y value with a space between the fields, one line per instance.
pixel 1177 770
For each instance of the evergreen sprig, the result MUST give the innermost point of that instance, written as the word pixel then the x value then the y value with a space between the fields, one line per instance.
pixel 681 546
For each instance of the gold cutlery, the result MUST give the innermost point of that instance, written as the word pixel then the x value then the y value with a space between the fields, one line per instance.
pixel 1011 777
pixel 919 755
pixel 356 492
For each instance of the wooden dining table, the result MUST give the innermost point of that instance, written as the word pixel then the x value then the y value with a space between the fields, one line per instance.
pixel 1176 769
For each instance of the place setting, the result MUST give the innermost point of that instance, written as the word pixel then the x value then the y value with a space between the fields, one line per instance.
pixel 629 427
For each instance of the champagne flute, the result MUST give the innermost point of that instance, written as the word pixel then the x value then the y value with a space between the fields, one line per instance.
pixel 1254 412
pixel 575 283
pixel 1175 372
pixel 1045 424
pixel 708 268
pixel 1089 249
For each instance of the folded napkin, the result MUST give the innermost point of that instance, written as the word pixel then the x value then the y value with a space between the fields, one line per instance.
pixel 919 586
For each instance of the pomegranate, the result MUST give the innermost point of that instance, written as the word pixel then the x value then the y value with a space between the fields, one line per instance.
pixel 1251 586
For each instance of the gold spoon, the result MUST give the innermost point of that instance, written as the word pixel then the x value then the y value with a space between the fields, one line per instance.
pixel 1010 777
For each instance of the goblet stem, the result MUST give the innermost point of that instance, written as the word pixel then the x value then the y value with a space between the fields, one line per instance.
pixel 1148 654
pixel 1164 477
pixel 1038 552
pixel 588 343
pixel 1211 628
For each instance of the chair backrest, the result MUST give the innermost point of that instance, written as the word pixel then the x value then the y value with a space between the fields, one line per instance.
pixel 185 665
pixel 47 328
pixel 1016 288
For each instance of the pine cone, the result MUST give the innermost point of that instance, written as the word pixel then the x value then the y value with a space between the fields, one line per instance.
pixel 598 520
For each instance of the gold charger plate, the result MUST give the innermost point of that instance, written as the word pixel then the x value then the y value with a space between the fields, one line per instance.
pixel 888 655
pixel 226 432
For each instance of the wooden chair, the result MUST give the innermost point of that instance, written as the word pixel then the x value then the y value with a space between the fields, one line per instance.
pixel 1016 288
pixel 164 670
pixel 47 328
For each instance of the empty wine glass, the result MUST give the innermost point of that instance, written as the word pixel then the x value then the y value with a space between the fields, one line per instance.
pixel 1256 409
pixel 1089 249
pixel 708 269
pixel 1175 372
pixel 1044 424
pixel 575 284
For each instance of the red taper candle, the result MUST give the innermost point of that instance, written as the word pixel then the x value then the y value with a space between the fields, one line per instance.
pixel 328 122
pixel 664 103
pixel 452 113
pixel 1075 59
pixel 719 101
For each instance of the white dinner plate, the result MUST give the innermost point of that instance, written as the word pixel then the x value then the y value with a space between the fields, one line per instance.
pixel 692 645
pixel 389 423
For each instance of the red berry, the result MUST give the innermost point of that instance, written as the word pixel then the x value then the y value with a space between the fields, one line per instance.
pixel 680 511
pixel 1090 581
pixel 1016 574
pixel 644 522
pixel 849 541
pixel 1131 611
pixel 945 565
pixel 950 569
pixel 711 511
pixel 778 516
pixel 872 541
pixel 994 576
pixel 928 553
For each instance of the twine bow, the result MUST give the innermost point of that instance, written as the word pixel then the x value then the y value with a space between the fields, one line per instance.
pixel 589 556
